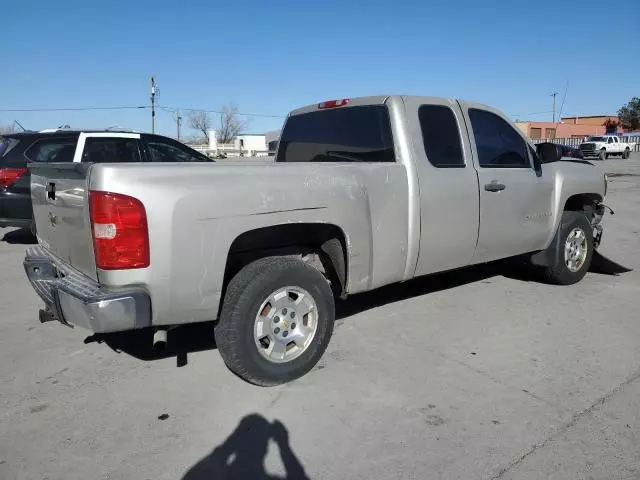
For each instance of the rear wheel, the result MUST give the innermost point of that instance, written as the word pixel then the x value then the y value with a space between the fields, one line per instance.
pixel 276 320
pixel 573 250
pixel 603 154
pixel 626 154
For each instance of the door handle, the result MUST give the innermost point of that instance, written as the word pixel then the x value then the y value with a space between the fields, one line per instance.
pixel 494 186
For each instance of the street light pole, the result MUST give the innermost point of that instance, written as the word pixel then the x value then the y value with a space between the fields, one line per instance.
pixel 554 105
pixel 154 92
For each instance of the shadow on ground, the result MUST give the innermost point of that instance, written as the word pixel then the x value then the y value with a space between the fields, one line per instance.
pixel 199 337
pixel 22 236
pixel 242 454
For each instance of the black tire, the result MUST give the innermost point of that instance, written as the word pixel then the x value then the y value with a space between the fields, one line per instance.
pixel 626 154
pixel 558 272
pixel 245 294
pixel 603 155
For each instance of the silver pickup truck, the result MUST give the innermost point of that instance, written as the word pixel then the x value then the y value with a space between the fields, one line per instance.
pixel 363 193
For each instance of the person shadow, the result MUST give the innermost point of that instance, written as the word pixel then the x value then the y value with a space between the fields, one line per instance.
pixel 242 454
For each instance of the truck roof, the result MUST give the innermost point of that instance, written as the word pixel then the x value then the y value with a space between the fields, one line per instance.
pixel 371 100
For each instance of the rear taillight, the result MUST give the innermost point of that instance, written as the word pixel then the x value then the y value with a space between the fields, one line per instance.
pixel 8 176
pixel 120 233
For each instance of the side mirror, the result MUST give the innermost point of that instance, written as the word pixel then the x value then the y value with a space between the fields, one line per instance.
pixel 549 152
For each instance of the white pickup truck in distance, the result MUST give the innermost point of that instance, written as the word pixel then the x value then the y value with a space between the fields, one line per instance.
pixel 604 146
pixel 363 193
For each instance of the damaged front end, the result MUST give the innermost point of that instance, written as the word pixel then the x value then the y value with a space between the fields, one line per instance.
pixel 600 263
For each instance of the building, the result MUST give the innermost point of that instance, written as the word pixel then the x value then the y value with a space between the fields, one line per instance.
pixel 594 120
pixel 246 143
pixel 568 127
pixel 253 142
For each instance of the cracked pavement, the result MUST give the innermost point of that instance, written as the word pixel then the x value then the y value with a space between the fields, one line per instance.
pixel 471 374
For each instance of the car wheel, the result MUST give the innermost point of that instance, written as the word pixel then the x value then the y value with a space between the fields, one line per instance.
pixel 603 154
pixel 572 250
pixel 276 321
pixel 626 154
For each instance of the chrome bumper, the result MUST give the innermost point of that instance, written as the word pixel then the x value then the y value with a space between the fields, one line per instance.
pixel 76 300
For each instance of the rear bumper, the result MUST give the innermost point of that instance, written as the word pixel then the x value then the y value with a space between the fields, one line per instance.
pixel 76 300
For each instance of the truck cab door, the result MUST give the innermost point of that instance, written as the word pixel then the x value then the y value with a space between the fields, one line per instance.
pixel 515 196
pixel 448 184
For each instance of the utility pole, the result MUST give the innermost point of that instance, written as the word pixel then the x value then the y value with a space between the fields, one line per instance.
pixel 178 122
pixel 554 105
pixel 154 92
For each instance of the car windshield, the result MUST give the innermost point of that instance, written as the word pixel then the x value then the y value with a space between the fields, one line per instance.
pixel 597 139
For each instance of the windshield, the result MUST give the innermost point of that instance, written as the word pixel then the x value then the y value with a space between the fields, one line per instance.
pixel 597 139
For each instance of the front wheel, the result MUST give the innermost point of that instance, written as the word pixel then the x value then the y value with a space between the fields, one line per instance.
pixel 276 320
pixel 603 154
pixel 572 250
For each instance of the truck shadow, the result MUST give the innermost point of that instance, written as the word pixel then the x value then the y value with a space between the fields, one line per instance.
pixel 21 236
pixel 199 337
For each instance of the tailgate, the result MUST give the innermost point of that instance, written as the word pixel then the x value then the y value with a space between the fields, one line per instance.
pixel 59 193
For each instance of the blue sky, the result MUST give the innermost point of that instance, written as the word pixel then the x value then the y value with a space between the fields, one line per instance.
pixel 272 56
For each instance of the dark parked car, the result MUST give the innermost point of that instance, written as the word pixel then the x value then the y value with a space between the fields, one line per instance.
pixel 566 151
pixel 572 152
pixel 105 146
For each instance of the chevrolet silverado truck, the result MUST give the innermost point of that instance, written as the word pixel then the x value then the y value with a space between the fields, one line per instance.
pixel 363 192
pixel 604 146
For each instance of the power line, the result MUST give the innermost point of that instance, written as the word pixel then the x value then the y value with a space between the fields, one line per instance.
pixel 132 107
pixel 220 111
pixel 70 109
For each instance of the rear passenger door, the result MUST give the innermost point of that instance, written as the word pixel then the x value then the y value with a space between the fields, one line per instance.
pixel 107 147
pixel 448 185
pixel 515 200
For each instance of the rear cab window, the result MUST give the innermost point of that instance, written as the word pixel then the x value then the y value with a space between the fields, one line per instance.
pixel 54 149
pixel 343 134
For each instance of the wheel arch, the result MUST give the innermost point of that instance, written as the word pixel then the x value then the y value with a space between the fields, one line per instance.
pixel 322 245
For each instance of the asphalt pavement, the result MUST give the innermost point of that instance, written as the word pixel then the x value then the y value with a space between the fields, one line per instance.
pixel 480 373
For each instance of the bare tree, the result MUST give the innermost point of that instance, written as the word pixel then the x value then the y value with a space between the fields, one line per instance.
pixel 7 129
pixel 201 121
pixel 230 123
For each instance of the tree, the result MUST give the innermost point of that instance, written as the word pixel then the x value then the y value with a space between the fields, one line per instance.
pixel 611 126
pixel 6 129
pixel 230 123
pixel 201 121
pixel 629 115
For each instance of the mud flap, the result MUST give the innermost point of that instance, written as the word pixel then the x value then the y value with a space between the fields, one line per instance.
pixel 601 264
